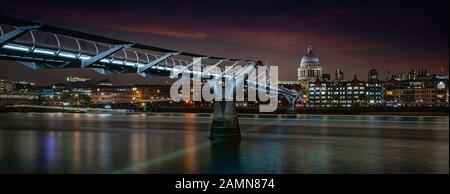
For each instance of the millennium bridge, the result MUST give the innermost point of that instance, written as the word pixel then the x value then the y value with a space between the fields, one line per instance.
pixel 39 45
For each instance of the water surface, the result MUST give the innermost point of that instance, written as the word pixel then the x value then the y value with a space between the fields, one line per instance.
pixel 178 143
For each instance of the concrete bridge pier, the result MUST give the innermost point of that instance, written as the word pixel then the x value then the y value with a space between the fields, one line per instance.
pixel 291 108
pixel 225 122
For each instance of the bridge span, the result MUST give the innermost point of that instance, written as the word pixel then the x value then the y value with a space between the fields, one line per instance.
pixel 41 46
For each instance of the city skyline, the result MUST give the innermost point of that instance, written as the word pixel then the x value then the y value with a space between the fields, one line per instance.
pixel 168 81
pixel 224 95
pixel 350 36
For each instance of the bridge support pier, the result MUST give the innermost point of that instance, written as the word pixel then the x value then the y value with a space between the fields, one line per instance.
pixel 225 122
pixel 291 108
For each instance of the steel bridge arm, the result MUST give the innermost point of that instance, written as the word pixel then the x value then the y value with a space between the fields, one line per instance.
pixel 291 97
pixel 141 70
pixel 19 31
pixel 227 70
pixel 252 64
pixel 191 64
pixel 101 71
pixel 213 66
pixel 97 58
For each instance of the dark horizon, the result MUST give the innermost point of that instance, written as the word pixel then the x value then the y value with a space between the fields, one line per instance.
pixel 353 36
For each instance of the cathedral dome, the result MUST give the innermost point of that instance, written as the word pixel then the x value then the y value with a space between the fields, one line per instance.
pixel 310 59
pixel 310 68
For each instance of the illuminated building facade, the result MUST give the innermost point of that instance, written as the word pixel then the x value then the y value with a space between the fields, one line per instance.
pixel 76 79
pixel 337 94
pixel 6 86
pixel 374 89
pixel 420 91
pixel 122 96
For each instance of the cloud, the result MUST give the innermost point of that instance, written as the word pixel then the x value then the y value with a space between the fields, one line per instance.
pixel 161 30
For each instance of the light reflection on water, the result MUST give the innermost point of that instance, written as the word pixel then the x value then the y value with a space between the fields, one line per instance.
pixel 178 143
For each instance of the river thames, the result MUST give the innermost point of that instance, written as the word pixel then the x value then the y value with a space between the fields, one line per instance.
pixel 179 143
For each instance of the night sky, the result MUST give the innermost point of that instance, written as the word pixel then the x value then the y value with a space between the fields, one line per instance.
pixel 354 36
